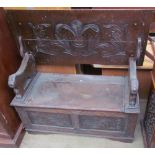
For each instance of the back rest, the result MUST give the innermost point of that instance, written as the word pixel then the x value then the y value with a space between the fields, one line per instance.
pixel 107 37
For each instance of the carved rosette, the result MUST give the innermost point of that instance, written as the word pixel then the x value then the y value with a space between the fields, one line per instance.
pixel 78 39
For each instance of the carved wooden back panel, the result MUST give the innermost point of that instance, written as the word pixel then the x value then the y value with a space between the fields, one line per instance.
pixel 106 37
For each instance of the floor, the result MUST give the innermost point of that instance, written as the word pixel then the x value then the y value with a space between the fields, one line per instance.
pixel 68 141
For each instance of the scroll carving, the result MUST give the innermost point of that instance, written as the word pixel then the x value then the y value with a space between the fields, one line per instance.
pixel 20 80
pixel 78 39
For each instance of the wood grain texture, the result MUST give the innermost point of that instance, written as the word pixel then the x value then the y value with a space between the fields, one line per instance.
pixel 56 69
pixel 109 125
pixel 71 92
pixel 72 37
pixel 24 75
pixel 144 78
pixel 9 61
pixel 81 104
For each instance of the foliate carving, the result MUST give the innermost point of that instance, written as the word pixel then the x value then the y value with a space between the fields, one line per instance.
pixel 149 121
pixel 102 123
pixel 39 30
pixel 116 40
pixel 78 39
pixel 77 30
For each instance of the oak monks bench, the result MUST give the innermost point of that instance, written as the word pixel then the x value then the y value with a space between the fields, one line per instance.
pixel 95 105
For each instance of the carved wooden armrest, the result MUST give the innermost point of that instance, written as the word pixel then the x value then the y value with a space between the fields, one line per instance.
pixel 20 80
pixel 133 76
pixel 133 81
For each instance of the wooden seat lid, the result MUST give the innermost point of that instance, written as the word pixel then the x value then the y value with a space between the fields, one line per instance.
pixel 79 92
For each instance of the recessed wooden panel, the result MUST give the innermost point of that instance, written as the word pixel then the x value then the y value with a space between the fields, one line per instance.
pixel 119 126
pixel 102 123
pixel 50 119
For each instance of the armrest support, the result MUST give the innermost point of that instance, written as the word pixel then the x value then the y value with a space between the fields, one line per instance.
pixel 20 80
pixel 133 82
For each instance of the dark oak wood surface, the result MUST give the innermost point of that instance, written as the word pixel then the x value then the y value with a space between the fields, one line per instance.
pixel 144 78
pixel 10 124
pixel 58 91
pixel 82 104
pixel 81 36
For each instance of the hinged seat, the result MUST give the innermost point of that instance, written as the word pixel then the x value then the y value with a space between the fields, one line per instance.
pixel 71 92
pixel 106 106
